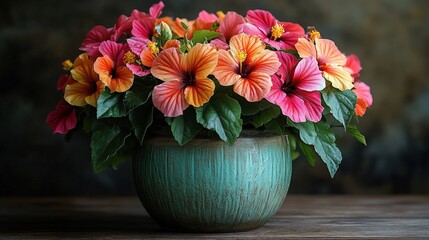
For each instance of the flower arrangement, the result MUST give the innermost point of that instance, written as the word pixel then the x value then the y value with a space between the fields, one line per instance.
pixel 220 73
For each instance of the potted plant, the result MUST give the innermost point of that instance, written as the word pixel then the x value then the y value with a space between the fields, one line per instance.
pixel 212 111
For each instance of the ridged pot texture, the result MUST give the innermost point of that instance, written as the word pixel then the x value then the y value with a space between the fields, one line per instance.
pixel 209 186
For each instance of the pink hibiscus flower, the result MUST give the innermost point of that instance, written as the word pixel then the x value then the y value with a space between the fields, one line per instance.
pixel 94 38
pixel 231 25
pixel 63 118
pixel 295 88
pixel 362 91
pixel 353 66
pixel 280 35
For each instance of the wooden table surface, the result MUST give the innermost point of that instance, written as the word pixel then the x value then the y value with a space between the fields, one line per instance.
pixel 301 217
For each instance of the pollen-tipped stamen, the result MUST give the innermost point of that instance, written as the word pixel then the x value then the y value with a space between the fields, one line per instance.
pixel 129 58
pixel 241 56
pixel 314 34
pixel 277 31
pixel 67 65
pixel 153 48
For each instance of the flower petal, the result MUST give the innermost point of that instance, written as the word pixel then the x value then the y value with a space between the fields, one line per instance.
pixel 169 98
pixel 92 99
pixel 200 60
pixel 288 63
pixel 353 66
pixel 143 27
pixel 167 65
pixel 361 107
pixel 262 19
pixel 226 70
pixel 76 92
pixel 305 48
pixel 219 44
pixel 251 45
pixel 199 92
pixel 174 43
pixel 276 95
pixel 307 75
pixel 103 66
pixel 83 70
pixel 123 80
pixel 138 70
pixel 363 91
pixel 254 87
pixel 147 58
pixel 251 29
pixel 312 103
pixel 63 118
pixel 328 53
pixel 93 38
pixel 293 107
pixel 340 78
pixel 156 9
pixel 267 62
pixel 113 50
pixel 137 45
pixel 231 25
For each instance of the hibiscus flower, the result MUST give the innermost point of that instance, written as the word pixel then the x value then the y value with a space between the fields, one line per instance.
pixel 330 61
pixel 280 35
pixel 85 87
pixel 63 118
pixel 110 67
pixel 185 79
pixel 362 91
pixel 296 88
pixel 247 66
pixel 231 25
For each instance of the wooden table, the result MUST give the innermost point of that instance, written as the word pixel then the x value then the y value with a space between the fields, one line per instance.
pixel 401 217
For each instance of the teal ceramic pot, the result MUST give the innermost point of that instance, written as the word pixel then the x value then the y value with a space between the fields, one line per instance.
pixel 209 186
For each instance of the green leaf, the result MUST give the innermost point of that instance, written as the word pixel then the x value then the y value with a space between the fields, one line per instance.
pixel 352 129
pixel 106 143
pixel 201 36
pixel 185 127
pixel 120 104
pixel 265 116
pixel 322 137
pixel 141 118
pixel 138 95
pixel 222 114
pixel 308 152
pixel 110 105
pixel 277 125
pixel 341 103
pixel 251 108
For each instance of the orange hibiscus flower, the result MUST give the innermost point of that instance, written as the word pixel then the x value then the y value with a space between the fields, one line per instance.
pixel 185 79
pixel 330 60
pixel 247 66
pixel 111 69
pixel 86 86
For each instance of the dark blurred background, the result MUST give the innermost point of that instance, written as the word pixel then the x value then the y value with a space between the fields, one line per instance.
pixel 390 36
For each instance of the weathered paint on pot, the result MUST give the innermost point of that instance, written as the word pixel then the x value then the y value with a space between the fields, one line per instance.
pixel 208 186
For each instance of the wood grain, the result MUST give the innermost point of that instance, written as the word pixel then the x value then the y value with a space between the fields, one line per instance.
pixel 301 217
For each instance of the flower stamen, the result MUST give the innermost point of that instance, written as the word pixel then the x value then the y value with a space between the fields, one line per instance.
pixel 314 34
pixel 277 31
pixel 67 65
pixel 153 48
pixel 129 58
pixel 241 57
